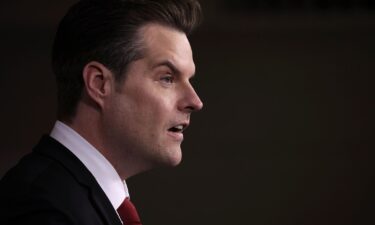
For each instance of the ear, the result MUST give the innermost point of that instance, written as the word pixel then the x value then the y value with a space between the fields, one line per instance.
pixel 98 81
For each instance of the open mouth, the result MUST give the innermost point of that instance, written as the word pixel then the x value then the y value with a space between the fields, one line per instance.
pixel 177 129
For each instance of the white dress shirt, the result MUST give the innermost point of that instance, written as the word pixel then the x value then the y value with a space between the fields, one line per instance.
pixel 103 171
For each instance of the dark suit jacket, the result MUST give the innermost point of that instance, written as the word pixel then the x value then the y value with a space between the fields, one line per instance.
pixel 51 186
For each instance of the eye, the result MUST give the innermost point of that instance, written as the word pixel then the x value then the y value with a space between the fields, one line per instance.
pixel 167 78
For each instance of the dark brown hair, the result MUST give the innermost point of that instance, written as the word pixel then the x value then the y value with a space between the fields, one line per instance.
pixel 106 31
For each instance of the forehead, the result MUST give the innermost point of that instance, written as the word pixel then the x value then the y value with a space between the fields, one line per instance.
pixel 163 43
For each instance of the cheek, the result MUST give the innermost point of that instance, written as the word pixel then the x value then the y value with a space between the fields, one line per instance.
pixel 147 105
pixel 154 110
pixel 148 109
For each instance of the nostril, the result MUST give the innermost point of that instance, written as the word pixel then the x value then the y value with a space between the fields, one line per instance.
pixel 190 108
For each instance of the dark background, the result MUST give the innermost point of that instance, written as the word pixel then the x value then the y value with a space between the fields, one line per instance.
pixel 286 134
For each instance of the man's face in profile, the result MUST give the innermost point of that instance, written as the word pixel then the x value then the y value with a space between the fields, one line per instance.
pixel 151 107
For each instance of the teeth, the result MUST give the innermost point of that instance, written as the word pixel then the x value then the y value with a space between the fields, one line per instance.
pixel 179 127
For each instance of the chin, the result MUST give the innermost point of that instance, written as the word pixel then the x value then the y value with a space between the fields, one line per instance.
pixel 176 162
pixel 174 158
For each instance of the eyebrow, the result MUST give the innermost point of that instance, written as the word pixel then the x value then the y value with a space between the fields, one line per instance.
pixel 171 66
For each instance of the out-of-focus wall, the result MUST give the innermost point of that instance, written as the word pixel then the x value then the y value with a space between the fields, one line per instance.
pixel 285 134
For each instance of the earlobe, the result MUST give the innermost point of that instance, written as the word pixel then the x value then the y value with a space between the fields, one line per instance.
pixel 97 80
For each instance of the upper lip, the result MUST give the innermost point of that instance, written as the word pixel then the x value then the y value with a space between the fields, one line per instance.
pixel 183 124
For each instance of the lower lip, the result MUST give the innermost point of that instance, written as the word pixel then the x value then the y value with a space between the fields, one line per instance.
pixel 177 136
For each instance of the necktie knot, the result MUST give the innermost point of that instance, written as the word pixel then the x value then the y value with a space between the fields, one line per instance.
pixel 128 213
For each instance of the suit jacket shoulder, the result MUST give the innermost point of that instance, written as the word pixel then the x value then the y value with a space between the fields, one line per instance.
pixel 51 186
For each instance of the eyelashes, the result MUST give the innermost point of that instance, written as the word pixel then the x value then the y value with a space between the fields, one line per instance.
pixel 168 78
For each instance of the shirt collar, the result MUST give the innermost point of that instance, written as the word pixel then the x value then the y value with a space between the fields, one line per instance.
pixel 115 189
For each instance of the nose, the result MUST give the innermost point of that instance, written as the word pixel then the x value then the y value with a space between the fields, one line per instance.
pixel 191 101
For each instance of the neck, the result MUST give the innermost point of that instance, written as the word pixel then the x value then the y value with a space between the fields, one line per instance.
pixel 87 123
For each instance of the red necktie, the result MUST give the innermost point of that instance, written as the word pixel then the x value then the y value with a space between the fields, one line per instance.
pixel 128 213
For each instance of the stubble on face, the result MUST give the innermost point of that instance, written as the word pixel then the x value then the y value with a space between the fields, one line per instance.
pixel 155 97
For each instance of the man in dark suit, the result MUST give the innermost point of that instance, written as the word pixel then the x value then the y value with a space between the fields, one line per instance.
pixel 123 70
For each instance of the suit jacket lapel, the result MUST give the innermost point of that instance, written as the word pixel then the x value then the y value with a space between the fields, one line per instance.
pixel 53 149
